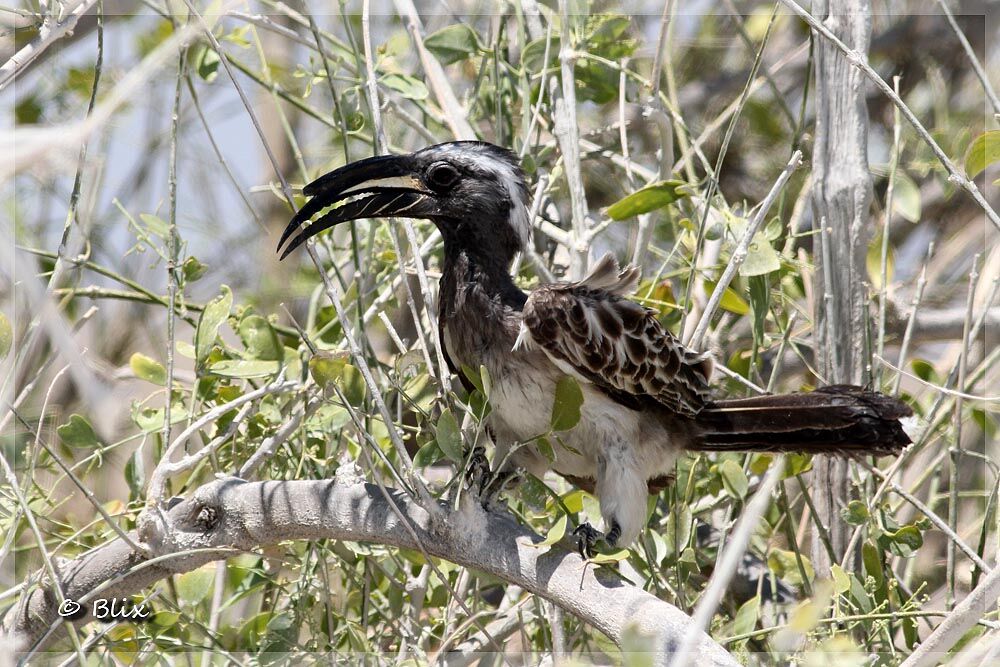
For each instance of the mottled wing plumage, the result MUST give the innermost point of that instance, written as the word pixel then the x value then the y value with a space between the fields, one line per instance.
pixel 591 331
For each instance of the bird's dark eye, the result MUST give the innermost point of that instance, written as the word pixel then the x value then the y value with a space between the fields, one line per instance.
pixel 442 175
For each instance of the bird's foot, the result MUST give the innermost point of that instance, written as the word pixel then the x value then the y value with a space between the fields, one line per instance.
pixel 588 537
pixel 477 471
pixel 500 482
pixel 483 483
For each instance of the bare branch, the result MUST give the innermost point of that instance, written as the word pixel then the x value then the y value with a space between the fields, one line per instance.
pixel 231 516
pixel 742 250
pixel 934 648
pixel 48 34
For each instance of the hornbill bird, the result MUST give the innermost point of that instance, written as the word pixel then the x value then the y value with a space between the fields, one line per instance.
pixel 647 398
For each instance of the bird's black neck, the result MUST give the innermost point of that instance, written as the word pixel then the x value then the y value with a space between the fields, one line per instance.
pixel 466 266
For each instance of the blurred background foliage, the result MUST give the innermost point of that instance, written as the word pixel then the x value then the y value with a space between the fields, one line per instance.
pixel 89 373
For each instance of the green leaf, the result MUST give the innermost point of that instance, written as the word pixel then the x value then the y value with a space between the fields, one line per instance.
pixel 605 559
pixel 731 301
pixel 746 616
pixel 544 448
pixel 78 432
pixel 644 200
pixel 856 513
pixel 534 53
pixel 453 43
pixel 984 151
pixel 796 464
pixel 873 563
pixel 6 336
pixel 474 377
pixel 165 619
pixel 761 258
pixel 841 582
pixel 449 436
pixel 573 501
pixel 906 197
pixel 206 61
pixel 194 586
pixel 215 313
pixel 760 301
pixel 148 369
pixel 135 475
pixel 193 269
pixel 427 455
pixel 407 86
pixel 903 542
pixel 923 370
pixel 734 479
pixel 259 338
pixel 556 532
pixel 155 225
pixel 533 493
pixel 185 349
pixel 566 404
pixel 679 525
pixel 328 367
pixel 785 565
pixel 487 386
pixel 150 420
pixel 244 368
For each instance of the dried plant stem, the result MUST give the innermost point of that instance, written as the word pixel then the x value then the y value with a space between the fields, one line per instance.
pixel 940 523
pixel 742 250
pixel 728 562
pixel 331 290
pixel 887 218
pixel 859 61
pixel 567 132
pixel 173 251
pixel 977 66
pixel 49 33
pixel 956 450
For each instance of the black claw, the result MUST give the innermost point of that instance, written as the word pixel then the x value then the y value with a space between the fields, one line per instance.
pixel 612 537
pixel 477 474
pixel 587 538
pixel 497 484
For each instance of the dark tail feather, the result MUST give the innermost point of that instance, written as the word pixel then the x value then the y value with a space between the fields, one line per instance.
pixel 837 419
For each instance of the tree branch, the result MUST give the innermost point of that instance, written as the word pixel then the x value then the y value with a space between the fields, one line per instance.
pixel 49 33
pixel 230 516
pixel 842 195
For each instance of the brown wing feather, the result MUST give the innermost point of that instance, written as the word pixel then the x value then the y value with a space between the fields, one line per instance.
pixel 590 329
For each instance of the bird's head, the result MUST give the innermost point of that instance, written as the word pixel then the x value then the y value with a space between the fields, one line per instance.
pixel 473 191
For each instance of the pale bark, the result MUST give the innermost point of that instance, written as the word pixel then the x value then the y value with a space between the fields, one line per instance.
pixel 842 195
pixel 231 516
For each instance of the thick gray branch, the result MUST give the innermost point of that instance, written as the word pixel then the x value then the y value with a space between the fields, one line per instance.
pixel 842 195
pixel 236 515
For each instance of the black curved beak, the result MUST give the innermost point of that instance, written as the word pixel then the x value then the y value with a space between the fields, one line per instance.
pixel 386 186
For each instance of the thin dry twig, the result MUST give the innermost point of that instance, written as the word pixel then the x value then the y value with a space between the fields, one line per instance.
pixel 728 562
pixel 742 250
pixel 48 34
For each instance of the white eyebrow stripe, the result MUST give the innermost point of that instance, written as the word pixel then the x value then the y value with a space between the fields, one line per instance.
pixel 409 182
